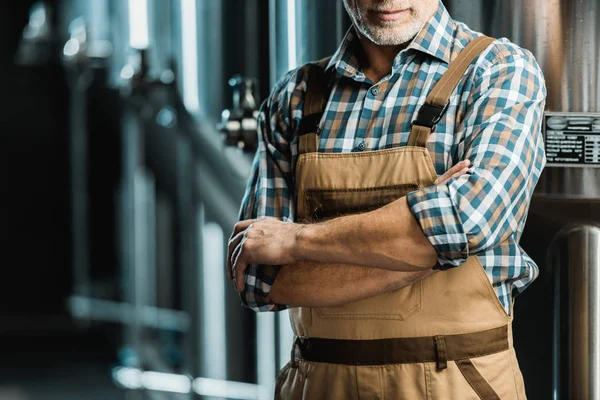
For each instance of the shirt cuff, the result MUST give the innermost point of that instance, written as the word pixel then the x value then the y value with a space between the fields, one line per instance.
pixel 257 290
pixel 439 219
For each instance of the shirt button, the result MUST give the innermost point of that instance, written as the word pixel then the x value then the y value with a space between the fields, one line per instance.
pixel 375 91
pixel 361 146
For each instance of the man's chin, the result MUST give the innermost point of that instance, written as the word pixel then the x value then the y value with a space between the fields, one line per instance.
pixel 386 25
pixel 386 38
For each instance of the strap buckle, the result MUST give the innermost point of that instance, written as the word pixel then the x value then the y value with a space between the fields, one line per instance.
pixel 429 115
pixel 293 362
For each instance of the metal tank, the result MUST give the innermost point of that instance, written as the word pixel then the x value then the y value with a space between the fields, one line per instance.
pixel 556 326
pixel 577 335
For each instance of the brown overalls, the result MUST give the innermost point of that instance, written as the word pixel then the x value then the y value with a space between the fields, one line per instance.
pixel 445 337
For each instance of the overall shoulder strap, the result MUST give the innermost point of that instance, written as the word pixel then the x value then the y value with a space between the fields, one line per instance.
pixel 437 101
pixel 315 101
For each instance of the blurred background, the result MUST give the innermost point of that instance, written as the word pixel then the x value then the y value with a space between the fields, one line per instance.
pixel 128 134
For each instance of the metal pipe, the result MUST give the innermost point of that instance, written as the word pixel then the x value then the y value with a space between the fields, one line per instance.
pixel 129 233
pixel 125 313
pixel 165 255
pixel 303 31
pixel 144 237
pixel 471 12
pixel 576 258
pixel 190 218
pixel 161 35
pixel 135 379
pixel 213 330
pixel 119 36
pixel 80 75
pixel 251 39
pixel 210 55
pixel 79 84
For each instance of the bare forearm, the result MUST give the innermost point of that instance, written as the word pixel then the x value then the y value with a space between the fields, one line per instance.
pixel 314 284
pixel 387 238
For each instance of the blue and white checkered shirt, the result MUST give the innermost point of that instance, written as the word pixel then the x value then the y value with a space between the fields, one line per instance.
pixel 493 119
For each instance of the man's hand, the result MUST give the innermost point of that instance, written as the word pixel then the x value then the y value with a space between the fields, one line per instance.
pixel 267 241
pixel 459 169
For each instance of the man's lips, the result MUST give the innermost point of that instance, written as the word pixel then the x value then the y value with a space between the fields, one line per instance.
pixel 390 15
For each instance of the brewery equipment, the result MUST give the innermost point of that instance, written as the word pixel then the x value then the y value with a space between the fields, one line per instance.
pixel 556 325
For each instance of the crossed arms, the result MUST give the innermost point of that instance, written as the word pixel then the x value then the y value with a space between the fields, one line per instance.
pixel 279 263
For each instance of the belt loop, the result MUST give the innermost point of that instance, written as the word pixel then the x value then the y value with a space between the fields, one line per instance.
pixel 293 363
pixel 440 351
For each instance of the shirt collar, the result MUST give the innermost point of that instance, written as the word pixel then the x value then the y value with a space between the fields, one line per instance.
pixel 437 35
pixel 344 60
pixel 435 39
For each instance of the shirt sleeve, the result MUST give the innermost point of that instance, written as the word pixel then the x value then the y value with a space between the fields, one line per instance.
pixel 270 188
pixel 501 136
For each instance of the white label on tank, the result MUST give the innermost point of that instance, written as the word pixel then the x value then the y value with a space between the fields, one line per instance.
pixel 572 139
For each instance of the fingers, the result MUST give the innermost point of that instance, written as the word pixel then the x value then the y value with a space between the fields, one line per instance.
pixel 230 249
pixel 236 236
pixel 233 244
pixel 235 264
pixel 242 226
pixel 240 275
pixel 228 262
pixel 459 169
pixel 461 172
pixel 239 267
pixel 454 170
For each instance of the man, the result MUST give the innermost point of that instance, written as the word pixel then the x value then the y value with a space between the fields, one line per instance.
pixel 391 187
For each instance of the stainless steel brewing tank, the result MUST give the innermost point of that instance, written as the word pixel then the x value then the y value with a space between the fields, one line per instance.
pixel 556 329
pixel 564 36
pixel 576 308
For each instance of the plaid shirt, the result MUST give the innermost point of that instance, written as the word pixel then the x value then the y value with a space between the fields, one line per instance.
pixel 493 119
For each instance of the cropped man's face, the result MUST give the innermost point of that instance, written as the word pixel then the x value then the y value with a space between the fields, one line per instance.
pixel 390 22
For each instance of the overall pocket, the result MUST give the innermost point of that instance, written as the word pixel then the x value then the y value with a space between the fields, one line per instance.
pixel 331 203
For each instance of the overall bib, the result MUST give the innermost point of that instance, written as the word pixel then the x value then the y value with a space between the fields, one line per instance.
pixel 445 337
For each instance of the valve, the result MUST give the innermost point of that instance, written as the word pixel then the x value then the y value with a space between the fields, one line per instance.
pixel 238 124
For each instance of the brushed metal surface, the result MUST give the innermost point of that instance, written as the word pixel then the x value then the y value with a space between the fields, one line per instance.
pixel 303 31
pixel 561 234
pixel 569 183
pixel 563 35
pixel 576 258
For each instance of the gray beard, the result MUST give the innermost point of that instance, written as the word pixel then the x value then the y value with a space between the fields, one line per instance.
pixel 391 35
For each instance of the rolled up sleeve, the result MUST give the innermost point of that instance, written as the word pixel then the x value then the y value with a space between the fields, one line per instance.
pixel 501 136
pixel 270 188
